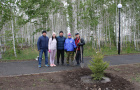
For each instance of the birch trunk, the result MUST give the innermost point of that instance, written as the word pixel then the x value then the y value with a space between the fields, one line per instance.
pixel 13 35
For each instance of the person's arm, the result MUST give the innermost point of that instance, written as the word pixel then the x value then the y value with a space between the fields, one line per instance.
pixel 65 38
pixel 56 38
pixel 49 44
pixel 82 42
pixel 38 44
pixel 65 45
pixel 74 44
pixel 56 44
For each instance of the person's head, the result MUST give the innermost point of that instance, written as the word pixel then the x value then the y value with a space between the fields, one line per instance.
pixel 44 33
pixel 77 35
pixel 61 33
pixel 54 35
pixel 69 35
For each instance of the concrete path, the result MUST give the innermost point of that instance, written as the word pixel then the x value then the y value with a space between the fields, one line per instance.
pixel 30 67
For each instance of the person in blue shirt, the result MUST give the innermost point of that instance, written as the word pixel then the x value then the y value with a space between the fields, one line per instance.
pixel 69 47
pixel 42 45
pixel 60 47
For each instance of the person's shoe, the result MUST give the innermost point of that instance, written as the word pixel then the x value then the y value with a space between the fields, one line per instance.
pixel 63 64
pixel 39 66
pixel 47 65
pixel 57 64
pixel 67 64
pixel 51 65
pixel 54 65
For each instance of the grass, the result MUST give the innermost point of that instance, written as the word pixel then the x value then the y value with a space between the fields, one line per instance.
pixel 136 78
pixel 29 53
pixel 25 54
pixel 117 69
pixel 43 80
pixel 89 51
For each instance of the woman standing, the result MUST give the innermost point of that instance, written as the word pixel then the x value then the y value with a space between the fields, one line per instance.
pixel 52 49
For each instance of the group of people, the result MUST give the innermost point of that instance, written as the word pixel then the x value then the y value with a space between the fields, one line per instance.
pixel 60 44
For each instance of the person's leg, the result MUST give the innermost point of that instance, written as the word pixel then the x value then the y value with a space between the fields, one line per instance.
pixel 54 53
pixel 46 56
pixel 77 56
pixel 58 56
pixel 40 57
pixel 62 57
pixel 68 55
pixel 51 59
pixel 72 56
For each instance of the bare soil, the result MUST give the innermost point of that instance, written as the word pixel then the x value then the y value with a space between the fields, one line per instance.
pixel 65 80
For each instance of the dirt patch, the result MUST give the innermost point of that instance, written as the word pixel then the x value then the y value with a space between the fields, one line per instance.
pixel 130 72
pixel 65 80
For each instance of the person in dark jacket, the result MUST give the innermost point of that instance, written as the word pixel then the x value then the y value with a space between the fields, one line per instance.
pixel 42 45
pixel 60 47
pixel 79 43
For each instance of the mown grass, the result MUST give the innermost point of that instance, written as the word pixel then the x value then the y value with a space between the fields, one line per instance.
pixel 29 53
pixel 24 54
pixel 89 51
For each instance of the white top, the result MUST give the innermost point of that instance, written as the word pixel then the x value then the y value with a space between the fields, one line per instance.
pixel 52 44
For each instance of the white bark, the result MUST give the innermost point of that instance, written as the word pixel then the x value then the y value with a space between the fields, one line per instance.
pixel 13 35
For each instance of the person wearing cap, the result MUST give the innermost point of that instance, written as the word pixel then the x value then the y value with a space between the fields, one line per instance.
pixel 60 47
pixel 79 51
pixel 42 45
pixel 52 48
pixel 69 47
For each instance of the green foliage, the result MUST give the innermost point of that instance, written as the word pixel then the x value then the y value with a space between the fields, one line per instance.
pixel 88 14
pixel 98 66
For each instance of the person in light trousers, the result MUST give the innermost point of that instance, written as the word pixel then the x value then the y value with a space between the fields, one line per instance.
pixel 52 49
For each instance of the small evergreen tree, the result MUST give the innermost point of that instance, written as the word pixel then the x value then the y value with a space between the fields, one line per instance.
pixel 97 66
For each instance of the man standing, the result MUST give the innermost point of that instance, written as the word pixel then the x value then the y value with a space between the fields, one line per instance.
pixel 60 47
pixel 42 45
pixel 69 47
pixel 79 43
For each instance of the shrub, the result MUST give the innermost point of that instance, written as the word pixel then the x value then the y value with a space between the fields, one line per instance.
pixel 98 66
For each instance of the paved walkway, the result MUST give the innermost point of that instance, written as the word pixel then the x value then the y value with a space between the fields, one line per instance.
pixel 30 67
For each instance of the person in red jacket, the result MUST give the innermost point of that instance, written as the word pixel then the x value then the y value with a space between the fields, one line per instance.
pixel 79 51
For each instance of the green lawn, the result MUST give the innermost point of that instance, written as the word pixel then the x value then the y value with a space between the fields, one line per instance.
pixel 88 51
pixel 30 53
pixel 25 54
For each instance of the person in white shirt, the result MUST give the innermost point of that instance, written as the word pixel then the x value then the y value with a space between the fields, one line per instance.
pixel 52 48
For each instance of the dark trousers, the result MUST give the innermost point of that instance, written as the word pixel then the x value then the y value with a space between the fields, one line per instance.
pixel 60 52
pixel 78 57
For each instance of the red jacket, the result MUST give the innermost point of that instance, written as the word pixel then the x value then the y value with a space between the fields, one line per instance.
pixel 77 40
